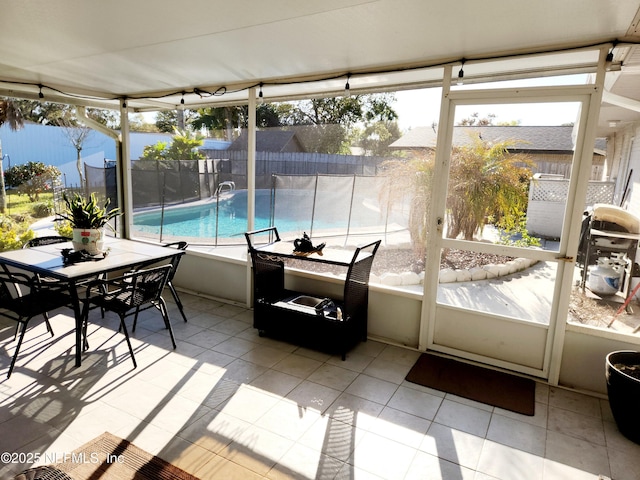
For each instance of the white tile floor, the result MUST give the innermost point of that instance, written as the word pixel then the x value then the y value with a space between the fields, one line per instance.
pixel 228 404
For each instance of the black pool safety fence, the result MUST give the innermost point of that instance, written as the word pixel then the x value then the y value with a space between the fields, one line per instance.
pixel 343 207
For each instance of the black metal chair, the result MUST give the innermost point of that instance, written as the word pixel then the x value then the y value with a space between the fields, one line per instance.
pixel 22 298
pixel 129 295
pixel 175 261
pixel 48 240
pixel 35 242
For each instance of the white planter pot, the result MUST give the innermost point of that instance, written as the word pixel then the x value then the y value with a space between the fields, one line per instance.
pixel 89 240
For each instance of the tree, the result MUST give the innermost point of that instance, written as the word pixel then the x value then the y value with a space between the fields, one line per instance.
pixel 154 152
pixel 77 135
pixel 323 125
pixel 233 119
pixel 486 182
pixel 11 115
pixel 168 120
pixel 184 146
pixel 49 113
pixel 413 175
pixel 137 123
pixel 329 122
pixel 376 138
pixel 32 178
pixel 475 120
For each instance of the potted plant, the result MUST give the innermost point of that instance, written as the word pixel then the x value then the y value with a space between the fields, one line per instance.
pixel 88 219
pixel 623 387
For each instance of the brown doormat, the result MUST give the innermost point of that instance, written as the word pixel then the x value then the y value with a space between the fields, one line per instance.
pixel 476 383
pixel 108 457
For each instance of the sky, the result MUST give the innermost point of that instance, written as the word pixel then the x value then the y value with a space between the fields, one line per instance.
pixel 421 108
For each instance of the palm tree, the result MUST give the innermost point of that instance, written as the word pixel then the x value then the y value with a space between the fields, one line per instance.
pixel 415 177
pixel 10 114
pixel 486 181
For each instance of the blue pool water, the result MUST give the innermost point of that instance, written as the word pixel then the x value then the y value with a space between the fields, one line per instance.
pixel 229 219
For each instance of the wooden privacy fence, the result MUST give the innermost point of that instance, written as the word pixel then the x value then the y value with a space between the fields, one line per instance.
pixel 232 165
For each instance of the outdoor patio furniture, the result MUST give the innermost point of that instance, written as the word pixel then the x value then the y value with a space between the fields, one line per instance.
pixel 22 298
pixel 129 295
pixel 48 240
pixel 175 261
pixel 47 260
pixel 321 322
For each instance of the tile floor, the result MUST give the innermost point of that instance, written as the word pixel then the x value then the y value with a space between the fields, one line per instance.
pixel 228 404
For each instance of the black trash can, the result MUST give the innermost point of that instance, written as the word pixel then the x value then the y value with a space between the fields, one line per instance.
pixel 623 387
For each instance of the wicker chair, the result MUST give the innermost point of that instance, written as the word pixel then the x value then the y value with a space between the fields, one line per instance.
pixel 22 298
pixel 330 324
pixel 129 295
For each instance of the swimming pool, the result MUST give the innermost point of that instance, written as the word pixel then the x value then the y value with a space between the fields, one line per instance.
pixel 293 212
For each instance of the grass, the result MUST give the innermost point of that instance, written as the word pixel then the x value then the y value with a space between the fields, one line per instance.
pixel 20 204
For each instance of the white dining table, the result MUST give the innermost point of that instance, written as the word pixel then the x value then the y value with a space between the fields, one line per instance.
pixel 47 260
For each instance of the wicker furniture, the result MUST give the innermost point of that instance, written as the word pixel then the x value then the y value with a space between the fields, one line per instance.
pixel 329 324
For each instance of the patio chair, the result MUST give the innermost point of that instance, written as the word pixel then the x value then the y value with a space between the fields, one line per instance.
pixel 129 295
pixel 175 261
pixel 22 298
pixel 48 240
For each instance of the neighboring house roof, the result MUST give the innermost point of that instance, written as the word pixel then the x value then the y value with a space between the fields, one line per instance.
pixel 269 141
pixel 548 139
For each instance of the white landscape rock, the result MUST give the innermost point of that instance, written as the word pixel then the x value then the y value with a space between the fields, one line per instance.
pixel 391 279
pixel 513 266
pixel 447 275
pixel 521 263
pixel 463 275
pixel 503 269
pixel 478 273
pixel 409 278
pixel 492 270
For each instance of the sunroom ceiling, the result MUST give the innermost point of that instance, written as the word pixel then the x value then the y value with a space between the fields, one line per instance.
pixel 149 52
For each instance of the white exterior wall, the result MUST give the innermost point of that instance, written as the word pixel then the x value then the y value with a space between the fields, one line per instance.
pixel 394 316
pixel 632 201
pixel 544 219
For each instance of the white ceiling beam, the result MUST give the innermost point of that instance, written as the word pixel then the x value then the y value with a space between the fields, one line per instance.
pixel 620 101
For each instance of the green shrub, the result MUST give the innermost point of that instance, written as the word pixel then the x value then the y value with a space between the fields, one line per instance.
pixel 63 227
pixel 14 234
pixel 517 235
pixel 32 178
pixel 42 209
